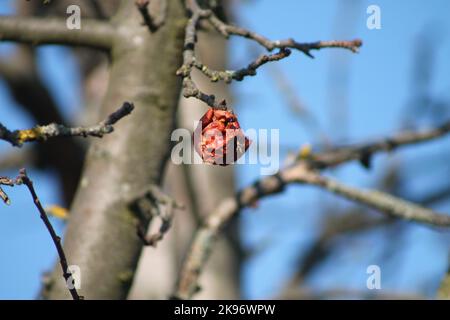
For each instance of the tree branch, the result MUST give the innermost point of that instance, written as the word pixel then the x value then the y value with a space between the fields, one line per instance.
pixel 379 200
pixel 365 151
pixel 120 167
pixel 4 181
pixel 190 61
pixel 303 172
pixel 37 31
pixel 65 156
pixel 24 179
pixel 226 30
pixel 240 74
pixel 18 137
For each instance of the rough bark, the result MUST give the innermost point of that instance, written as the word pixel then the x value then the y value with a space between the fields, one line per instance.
pixel 101 237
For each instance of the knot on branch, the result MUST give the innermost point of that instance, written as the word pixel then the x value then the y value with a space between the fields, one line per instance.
pixel 152 204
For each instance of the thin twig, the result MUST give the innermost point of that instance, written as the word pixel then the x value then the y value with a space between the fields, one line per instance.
pixel 5 182
pixel 240 74
pixel 190 60
pixel 379 200
pixel 24 179
pixel 18 137
pixel 364 152
pixel 227 30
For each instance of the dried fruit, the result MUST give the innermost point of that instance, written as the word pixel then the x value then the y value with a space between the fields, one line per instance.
pixel 219 139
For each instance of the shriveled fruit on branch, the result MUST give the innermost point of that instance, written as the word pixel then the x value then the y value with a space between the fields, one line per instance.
pixel 219 139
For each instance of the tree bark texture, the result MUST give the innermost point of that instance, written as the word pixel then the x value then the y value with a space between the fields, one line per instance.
pixel 101 235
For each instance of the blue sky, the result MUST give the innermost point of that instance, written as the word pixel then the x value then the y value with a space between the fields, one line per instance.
pixel 376 85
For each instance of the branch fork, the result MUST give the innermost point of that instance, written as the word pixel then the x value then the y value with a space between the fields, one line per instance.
pixel 190 60
pixel 150 205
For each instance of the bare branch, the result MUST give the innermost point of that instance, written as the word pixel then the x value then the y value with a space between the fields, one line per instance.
pixel 4 181
pixel 24 179
pixel 240 74
pixel 28 89
pixel 37 31
pixel 227 30
pixel 302 172
pixel 190 61
pixel 381 201
pixel 18 137
pixel 200 250
pixel 365 151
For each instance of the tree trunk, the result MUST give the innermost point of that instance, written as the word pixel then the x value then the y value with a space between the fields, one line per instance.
pixel 101 236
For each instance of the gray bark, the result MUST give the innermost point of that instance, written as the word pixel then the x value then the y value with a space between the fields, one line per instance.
pixel 101 237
